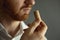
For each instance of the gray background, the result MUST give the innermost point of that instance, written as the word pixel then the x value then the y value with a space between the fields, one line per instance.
pixel 50 13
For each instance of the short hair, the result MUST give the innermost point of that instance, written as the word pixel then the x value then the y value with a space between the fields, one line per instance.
pixel 1 3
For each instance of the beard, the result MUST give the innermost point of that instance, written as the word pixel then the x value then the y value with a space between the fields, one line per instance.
pixel 21 15
pixel 21 18
pixel 18 17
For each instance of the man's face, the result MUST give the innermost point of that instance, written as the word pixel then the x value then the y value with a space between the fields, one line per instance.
pixel 19 8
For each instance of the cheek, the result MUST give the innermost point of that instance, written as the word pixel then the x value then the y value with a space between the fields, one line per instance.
pixel 14 5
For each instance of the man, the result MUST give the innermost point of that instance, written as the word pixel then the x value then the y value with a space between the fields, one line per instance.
pixel 12 27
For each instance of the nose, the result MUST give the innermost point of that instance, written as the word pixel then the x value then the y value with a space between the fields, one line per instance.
pixel 30 2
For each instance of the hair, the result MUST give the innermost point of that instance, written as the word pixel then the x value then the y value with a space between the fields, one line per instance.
pixel 1 3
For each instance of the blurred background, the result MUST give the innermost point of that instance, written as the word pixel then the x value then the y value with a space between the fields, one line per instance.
pixel 50 13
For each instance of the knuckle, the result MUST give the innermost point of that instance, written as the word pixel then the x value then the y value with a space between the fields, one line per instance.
pixel 38 20
pixel 46 27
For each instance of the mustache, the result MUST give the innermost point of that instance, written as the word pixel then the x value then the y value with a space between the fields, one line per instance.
pixel 28 6
pixel 25 6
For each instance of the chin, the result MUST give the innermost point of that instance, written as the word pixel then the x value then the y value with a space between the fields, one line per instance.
pixel 21 18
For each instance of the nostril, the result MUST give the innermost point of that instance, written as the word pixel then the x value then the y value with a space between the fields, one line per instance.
pixel 26 2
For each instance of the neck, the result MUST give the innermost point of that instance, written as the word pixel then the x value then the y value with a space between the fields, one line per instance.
pixel 9 24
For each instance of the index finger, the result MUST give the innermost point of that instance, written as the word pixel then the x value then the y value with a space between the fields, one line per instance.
pixel 37 15
pixel 36 22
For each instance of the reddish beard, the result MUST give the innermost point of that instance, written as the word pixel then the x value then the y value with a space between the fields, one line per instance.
pixel 19 18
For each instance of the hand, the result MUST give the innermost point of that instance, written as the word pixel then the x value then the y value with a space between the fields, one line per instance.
pixel 36 30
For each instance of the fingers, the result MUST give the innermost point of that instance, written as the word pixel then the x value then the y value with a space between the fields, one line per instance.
pixel 42 28
pixel 38 25
pixel 36 22
pixel 37 16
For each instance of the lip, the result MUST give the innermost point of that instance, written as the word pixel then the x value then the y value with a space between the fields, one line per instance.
pixel 26 7
pixel 26 10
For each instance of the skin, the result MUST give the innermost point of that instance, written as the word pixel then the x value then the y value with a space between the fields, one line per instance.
pixel 12 12
pixel 37 29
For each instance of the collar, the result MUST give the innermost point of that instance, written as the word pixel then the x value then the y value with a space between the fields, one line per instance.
pixel 22 27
